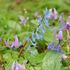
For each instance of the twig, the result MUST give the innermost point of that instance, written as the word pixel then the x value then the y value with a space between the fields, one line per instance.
pixel 22 49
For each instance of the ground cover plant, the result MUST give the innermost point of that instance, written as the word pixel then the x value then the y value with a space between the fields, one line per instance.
pixel 34 35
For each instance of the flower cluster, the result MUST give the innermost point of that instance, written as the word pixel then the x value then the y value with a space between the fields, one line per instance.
pixel 51 14
pixel 65 25
pixel 55 48
pixel 37 34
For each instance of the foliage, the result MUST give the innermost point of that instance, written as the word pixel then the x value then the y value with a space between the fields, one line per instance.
pixel 35 31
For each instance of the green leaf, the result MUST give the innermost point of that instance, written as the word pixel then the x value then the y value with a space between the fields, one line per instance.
pixel 66 68
pixel 51 61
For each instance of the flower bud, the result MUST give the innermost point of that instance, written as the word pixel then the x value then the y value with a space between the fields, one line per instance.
pixel 60 35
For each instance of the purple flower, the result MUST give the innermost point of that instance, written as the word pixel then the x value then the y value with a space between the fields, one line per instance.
pixel 58 49
pixel 53 14
pixel 23 20
pixel 60 35
pixel 17 66
pixel 65 25
pixel 12 45
pixel 50 46
pixel 47 14
pixel 54 48
pixel 15 43
pixel 50 15
pixel 68 23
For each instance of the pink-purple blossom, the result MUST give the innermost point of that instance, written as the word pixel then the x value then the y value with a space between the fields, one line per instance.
pixel 17 66
pixel 68 23
pixel 53 14
pixel 15 43
pixel 60 35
